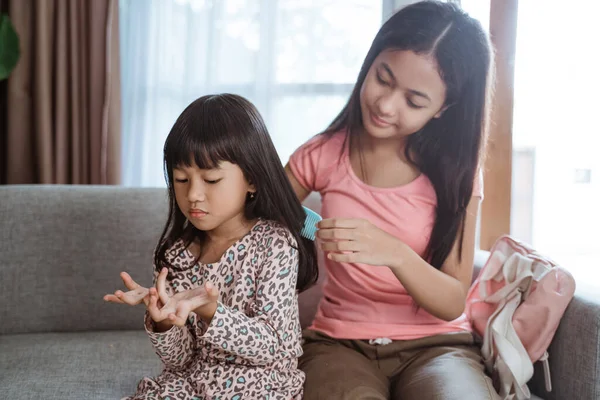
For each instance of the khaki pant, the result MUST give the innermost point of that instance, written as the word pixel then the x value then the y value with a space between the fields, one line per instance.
pixel 444 367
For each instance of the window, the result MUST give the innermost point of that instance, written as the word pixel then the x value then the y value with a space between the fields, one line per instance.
pixel 556 136
pixel 296 60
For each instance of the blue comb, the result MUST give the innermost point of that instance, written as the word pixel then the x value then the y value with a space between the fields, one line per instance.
pixel 310 224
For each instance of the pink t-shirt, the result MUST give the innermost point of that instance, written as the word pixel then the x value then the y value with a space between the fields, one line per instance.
pixel 362 301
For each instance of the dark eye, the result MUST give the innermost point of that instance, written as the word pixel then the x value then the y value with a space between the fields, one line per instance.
pixel 181 180
pixel 212 182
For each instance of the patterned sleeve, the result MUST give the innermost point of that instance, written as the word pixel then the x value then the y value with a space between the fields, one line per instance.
pixel 176 346
pixel 260 338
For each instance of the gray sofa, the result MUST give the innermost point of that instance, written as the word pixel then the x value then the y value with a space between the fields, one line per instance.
pixel 61 250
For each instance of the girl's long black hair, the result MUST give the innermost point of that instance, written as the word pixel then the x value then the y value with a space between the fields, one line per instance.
pixel 447 149
pixel 228 127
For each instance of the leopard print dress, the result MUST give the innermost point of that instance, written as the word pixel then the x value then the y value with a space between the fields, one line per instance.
pixel 250 349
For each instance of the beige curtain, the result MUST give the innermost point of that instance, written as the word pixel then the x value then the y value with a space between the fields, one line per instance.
pixel 63 101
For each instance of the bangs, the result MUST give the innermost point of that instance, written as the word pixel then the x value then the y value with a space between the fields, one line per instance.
pixel 201 140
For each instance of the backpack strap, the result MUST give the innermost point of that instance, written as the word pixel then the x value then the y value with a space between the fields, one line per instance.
pixel 546 365
pixel 513 364
pixel 517 273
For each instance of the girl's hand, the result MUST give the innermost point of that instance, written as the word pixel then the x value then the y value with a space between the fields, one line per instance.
pixel 177 308
pixel 133 297
pixel 352 240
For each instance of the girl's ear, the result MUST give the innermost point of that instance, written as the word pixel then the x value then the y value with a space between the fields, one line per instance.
pixel 251 192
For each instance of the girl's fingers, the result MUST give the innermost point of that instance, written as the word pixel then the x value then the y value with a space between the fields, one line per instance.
pixel 201 298
pixel 138 293
pixel 198 301
pixel 133 297
pixel 154 292
pixel 128 281
pixel 141 291
pixel 176 317
pixel 340 246
pixel 345 257
pixel 122 297
pixel 153 309
pixel 152 304
pixel 346 223
pixel 146 300
pixel 161 284
pixel 130 300
pixel 211 291
pixel 180 316
pixel 111 298
pixel 336 234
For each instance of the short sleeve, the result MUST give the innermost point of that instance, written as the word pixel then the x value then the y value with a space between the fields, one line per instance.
pixel 312 161
pixel 478 184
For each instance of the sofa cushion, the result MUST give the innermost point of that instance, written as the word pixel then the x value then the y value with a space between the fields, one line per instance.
pixel 91 365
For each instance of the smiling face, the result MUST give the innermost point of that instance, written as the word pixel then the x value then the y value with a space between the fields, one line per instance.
pixel 401 93
pixel 212 199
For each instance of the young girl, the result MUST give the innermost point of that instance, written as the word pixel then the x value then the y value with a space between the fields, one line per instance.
pixel 398 174
pixel 223 315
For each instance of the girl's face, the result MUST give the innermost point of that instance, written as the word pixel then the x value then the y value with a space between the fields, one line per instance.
pixel 401 93
pixel 212 199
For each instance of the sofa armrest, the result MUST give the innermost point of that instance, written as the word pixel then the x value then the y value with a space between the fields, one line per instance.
pixel 574 353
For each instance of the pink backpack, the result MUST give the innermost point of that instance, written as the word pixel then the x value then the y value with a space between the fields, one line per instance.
pixel 515 305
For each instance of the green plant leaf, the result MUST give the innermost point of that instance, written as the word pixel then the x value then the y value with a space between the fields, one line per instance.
pixel 9 47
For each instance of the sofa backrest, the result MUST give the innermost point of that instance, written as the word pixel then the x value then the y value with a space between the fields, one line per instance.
pixel 62 249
